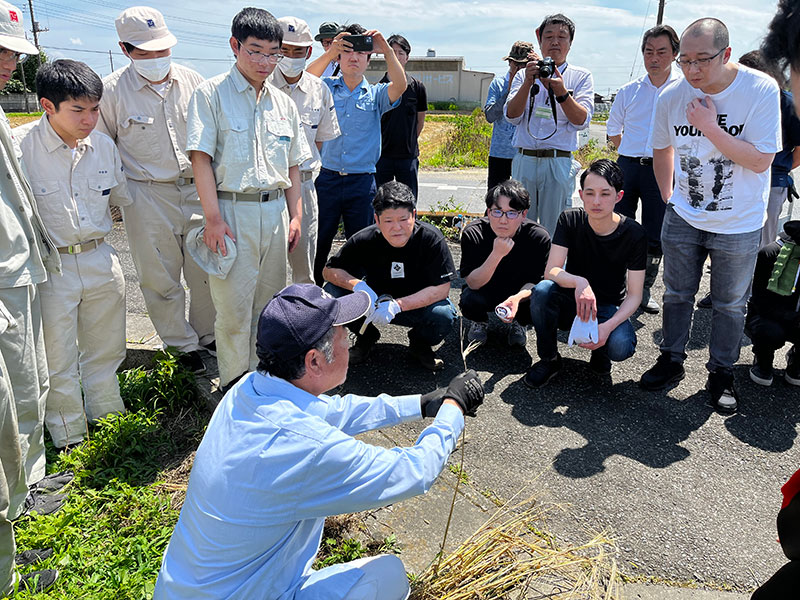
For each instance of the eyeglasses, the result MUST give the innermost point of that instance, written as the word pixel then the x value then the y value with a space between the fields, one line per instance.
pixel 510 214
pixel 261 57
pixel 700 62
pixel 7 55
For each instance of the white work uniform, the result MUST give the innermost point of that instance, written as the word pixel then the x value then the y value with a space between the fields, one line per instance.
pixel 148 123
pixel 25 251
pixel 318 116
pixel 83 309
pixel 252 144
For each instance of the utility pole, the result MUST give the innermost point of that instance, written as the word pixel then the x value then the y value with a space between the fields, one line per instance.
pixel 111 60
pixel 36 31
pixel 660 17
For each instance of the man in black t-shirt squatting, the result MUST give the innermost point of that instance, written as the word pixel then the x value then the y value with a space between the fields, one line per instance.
pixel 405 266
pixel 594 251
pixel 503 256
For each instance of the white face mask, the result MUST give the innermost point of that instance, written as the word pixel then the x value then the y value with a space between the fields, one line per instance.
pixel 292 67
pixel 152 69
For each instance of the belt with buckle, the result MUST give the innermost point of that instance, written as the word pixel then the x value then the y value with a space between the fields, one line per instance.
pixel 264 196
pixel 342 173
pixel 306 175
pixel 82 247
pixel 646 161
pixel 184 180
pixel 547 153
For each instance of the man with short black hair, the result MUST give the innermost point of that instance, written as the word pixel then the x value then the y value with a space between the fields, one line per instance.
pixel 630 122
pixel 715 134
pixel 547 128
pixel 503 256
pixel 246 145
pixel 143 110
pixel 501 150
pixel 406 268
pixel 278 457
pixel 401 127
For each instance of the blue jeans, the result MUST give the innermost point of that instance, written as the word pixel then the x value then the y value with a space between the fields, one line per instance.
pixel 403 170
pixel 347 197
pixel 429 324
pixel 733 258
pixel 553 308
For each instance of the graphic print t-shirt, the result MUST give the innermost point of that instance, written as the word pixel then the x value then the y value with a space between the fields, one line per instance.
pixel 712 193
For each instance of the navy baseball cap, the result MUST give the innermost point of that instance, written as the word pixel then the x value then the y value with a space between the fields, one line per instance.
pixel 299 315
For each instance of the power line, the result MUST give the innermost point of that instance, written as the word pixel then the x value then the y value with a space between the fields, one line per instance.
pixel 644 22
pixel 105 4
pixel 122 55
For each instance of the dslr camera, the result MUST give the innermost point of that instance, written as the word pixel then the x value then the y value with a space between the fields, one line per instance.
pixel 546 67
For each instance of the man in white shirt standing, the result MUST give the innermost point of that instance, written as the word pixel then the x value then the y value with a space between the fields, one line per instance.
pixel 629 124
pixel 716 131
pixel 318 118
pixel 548 116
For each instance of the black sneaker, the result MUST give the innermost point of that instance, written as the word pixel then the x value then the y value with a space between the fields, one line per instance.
pixel 192 361
pixel 38 581
pixel 705 301
pixel 29 557
pixel 723 395
pixel 43 504
pixel 54 482
pixel 663 374
pixel 792 372
pixel 600 363
pixel 542 372
pixel 211 347
pixel 761 372
pixel 425 356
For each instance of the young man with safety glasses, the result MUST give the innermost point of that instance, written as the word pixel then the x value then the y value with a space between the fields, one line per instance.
pixel 246 145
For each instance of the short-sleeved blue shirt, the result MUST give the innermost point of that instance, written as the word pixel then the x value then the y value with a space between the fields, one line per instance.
pixel 359 113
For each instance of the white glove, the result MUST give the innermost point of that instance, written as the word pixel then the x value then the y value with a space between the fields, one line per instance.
pixel 384 313
pixel 583 332
pixel 362 286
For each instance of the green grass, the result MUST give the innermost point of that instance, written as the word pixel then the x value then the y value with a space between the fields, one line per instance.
pixel 23 114
pixel 467 145
pixel 593 151
pixel 600 117
pixel 109 538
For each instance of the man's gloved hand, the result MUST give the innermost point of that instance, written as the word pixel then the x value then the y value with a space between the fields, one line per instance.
pixel 384 312
pixel 431 402
pixel 362 286
pixel 467 390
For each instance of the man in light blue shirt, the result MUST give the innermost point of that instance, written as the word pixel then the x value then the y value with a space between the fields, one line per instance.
pixel 502 150
pixel 346 183
pixel 278 457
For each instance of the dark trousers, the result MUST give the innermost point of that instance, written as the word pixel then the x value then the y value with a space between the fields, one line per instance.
pixel 428 325
pixel 769 335
pixel 403 170
pixel 640 183
pixel 347 197
pixel 477 304
pixel 499 171
pixel 553 308
pixel 781 585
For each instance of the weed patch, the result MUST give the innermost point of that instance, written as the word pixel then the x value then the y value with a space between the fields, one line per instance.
pixel 466 145
pixel 593 151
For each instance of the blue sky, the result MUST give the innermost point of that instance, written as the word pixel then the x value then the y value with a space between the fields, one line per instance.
pixel 607 39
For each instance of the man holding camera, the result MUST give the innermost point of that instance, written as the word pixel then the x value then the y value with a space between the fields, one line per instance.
pixel 346 183
pixel 548 115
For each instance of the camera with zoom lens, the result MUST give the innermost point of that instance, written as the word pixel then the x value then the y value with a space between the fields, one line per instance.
pixel 546 67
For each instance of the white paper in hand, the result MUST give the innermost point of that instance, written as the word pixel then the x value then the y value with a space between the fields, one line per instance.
pixel 583 332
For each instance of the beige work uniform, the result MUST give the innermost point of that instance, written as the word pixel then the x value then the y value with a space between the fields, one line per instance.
pixel 83 309
pixel 12 472
pixel 318 115
pixel 25 251
pixel 252 145
pixel 150 132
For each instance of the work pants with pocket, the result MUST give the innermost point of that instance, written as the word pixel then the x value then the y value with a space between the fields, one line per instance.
pixel 301 259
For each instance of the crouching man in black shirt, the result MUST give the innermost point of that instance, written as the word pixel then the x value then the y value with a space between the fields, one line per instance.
pixel 601 249
pixel 406 268
pixel 503 256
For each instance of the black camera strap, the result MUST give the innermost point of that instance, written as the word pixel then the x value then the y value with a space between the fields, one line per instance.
pixel 551 100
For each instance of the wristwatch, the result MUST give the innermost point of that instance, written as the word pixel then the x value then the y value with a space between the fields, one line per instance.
pixel 562 99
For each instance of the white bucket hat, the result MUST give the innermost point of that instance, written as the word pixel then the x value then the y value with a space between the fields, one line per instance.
pixel 144 27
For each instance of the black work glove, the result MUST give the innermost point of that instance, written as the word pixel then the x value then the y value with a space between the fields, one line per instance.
pixel 431 402
pixel 467 390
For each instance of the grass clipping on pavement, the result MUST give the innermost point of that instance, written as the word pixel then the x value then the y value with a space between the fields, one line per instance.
pixel 509 557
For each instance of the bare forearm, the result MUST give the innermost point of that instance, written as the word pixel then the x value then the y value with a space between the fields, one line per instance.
pixel 424 297
pixel 564 279
pixel 318 66
pixel 616 140
pixel 663 168
pixel 340 278
pixel 742 153
pixel 397 76
pixel 206 185
pixel 574 111
pixel 481 276
pixel 516 106
pixel 294 201
pixel 420 122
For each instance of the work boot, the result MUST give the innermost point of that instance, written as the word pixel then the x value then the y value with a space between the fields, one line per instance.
pixel 648 304
pixel 600 363
pixel 425 355
pixel 365 342
pixel 723 395
pixel 542 372
pixel 42 504
pixel 52 483
pixel 38 581
pixel 761 371
pixel 517 335
pixel 661 375
pixel 192 361
pixel 29 557
pixel 792 373
pixel 477 333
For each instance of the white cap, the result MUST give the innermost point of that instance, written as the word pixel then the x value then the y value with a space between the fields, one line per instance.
pixel 12 33
pixel 144 27
pixel 296 31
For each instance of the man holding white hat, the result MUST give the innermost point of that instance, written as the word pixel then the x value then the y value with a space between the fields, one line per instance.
pixel 144 109
pixel 318 118
pixel 26 252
